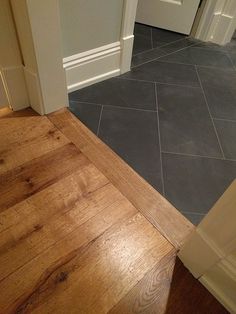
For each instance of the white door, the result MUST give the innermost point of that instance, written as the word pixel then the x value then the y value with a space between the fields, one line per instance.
pixel 174 15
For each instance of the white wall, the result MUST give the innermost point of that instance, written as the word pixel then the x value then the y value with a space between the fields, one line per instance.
pixel 88 24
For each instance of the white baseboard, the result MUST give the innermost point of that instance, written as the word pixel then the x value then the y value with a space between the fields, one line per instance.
pixel 15 85
pixel 221 282
pixel 95 65
pixel 34 91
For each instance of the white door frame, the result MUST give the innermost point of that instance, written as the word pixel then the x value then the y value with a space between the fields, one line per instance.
pixel 218 21
pixel 210 251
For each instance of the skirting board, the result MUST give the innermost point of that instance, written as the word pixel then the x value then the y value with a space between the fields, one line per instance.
pixel 95 65
pixel 34 90
pixel 15 85
pixel 221 282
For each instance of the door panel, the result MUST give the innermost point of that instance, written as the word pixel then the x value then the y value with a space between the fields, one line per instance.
pixel 174 15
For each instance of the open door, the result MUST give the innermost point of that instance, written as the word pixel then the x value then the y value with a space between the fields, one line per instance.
pixel 210 252
pixel 173 15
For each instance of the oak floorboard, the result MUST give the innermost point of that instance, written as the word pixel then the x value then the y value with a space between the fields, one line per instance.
pixel 26 138
pixel 44 228
pixel 168 220
pixel 96 279
pixel 74 229
pixel 21 182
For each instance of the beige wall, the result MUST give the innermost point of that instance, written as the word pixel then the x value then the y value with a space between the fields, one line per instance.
pixel 88 24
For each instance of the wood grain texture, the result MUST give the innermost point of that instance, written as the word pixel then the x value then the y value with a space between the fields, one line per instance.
pixel 70 241
pixel 173 225
pixel 29 138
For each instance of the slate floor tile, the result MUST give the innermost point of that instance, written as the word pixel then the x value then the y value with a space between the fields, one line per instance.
pixel 163 72
pixel 194 184
pixel 133 135
pixel 161 37
pixel 227 135
pixel 185 124
pixel 142 38
pixel 220 89
pixel 199 56
pixel 87 113
pixel 142 29
pixel 119 92
pixel 141 44
pixel 153 54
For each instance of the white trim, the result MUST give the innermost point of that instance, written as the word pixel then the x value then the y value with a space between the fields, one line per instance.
pixel 218 21
pixel 127 37
pixel 221 282
pixel 92 66
pixel 91 54
pixel 93 80
pixel 15 86
pixel 210 252
pixel 34 90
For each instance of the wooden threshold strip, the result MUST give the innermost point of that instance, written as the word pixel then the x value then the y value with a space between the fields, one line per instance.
pixel 167 219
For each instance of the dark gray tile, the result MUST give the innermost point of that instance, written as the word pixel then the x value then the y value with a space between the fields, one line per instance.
pixel 230 47
pixel 161 37
pixel 194 184
pixel 119 92
pixel 185 124
pixel 142 29
pixel 159 52
pixel 195 218
pixel 163 72
pixel 233 58
pixel 220 90
pixel 142 38
pixel 132 134
pixel 141 44
pixel 227 134
pixel 89 114
pixel 198 56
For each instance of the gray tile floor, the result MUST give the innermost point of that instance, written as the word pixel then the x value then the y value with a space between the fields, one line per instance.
pixel 172 117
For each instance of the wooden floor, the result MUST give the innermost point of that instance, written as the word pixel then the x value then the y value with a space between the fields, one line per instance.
pixel 81 232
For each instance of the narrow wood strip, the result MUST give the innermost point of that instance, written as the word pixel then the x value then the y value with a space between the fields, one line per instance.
pixel 32 177
pixel 174 226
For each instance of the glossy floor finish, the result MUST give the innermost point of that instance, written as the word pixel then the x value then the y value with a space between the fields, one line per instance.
pixel 172 117
pixel 71 239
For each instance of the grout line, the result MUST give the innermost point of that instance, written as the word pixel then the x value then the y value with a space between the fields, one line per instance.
pixel 196 213
pixel 165 55
pixel 129 108
pixel 85 102
pixel 165 45
pixel 151 38
pixel 155 82
pixel 200 156
pixel 159 137
pixel 114 106
pixel 99 122
pixel 199 65
pixel 222 119
pixel 228 54
pixel 217 136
